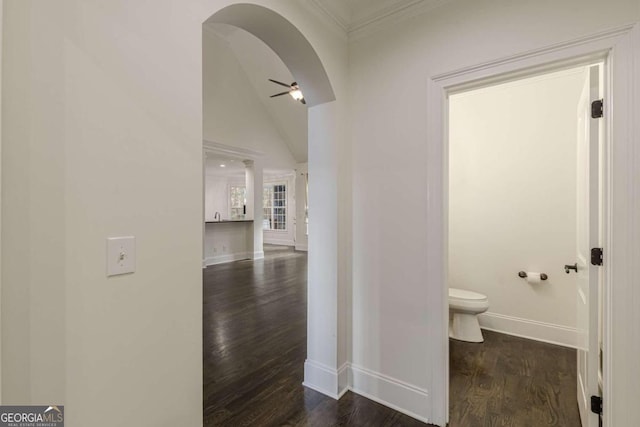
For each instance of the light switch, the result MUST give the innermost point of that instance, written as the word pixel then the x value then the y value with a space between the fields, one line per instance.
pixel 121 255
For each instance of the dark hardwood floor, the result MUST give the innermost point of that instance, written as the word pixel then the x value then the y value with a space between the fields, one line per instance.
pixel 511 381
pixel 255 347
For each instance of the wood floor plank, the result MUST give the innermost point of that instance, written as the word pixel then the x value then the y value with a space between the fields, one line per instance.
pixel 511 381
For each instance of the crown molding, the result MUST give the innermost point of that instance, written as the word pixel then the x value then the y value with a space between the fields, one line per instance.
pixel 230 151
pixel 392 15
pixel 333 18
pixel 370 22
pixel 383 14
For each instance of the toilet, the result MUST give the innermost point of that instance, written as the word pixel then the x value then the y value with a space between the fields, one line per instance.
pixel 464 307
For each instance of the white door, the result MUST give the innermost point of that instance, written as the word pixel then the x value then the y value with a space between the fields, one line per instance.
pixel 588 237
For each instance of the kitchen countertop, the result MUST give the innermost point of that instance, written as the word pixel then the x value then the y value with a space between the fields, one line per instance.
pixel 225 221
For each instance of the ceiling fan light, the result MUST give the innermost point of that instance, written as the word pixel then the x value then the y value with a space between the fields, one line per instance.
pixel 296 94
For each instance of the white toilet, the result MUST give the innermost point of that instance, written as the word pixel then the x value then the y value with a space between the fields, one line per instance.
pixel 464 307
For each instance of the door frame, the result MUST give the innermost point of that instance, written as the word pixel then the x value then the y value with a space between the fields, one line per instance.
pixel 620 50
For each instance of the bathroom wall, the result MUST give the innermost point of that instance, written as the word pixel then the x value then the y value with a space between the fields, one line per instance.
pixel 513 202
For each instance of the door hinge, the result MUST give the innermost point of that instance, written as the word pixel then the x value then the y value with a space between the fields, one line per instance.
pixel 596 256
pixel 596 404
pixel 597 109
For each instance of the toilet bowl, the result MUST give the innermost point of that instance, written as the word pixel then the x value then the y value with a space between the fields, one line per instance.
pixel 464 307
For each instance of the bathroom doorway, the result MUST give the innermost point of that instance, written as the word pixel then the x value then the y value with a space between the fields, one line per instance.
pixel 524 186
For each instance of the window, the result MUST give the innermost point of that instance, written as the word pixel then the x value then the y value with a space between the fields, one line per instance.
pixel 275 207
pixel 238 201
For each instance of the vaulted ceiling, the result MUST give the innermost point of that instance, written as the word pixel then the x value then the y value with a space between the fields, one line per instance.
pixel 260 63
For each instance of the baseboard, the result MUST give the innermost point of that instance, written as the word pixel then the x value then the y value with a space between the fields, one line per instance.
pixel 279 242
pixel 393 393
pixel 301 247
pixel 258 255
pixel 221 259
pixel 531 329
pixel 343 379
pixel 322 378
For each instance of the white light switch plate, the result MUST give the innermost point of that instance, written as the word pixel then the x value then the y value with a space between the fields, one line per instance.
pixel 121 255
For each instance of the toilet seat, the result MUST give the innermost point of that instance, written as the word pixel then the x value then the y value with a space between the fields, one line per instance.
pixel 463 294
pixel 464 300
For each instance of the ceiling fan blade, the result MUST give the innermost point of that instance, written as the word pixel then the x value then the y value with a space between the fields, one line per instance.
pixel 279 94
pixel 279 83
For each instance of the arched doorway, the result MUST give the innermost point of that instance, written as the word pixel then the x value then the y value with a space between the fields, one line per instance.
pixel 325 351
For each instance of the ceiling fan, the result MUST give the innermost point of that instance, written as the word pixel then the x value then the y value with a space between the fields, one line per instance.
pixel 294 91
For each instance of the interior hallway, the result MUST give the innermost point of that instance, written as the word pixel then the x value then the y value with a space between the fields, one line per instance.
pixel 254 327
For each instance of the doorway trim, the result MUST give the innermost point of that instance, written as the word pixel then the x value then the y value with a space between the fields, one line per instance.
pixel 621 192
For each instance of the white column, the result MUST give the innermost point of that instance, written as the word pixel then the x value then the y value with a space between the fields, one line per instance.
pixel 204 201
pixel 254 183
pixel 324 369
pixel 302 172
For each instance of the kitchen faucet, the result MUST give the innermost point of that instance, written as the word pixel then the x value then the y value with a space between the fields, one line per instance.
pixel 217 216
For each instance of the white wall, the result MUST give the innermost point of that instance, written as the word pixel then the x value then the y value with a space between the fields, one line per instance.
pixel 512 201
pixel 1 13
pixel 392 293
pixel 102 136
pixel 217 196
pixel 34 166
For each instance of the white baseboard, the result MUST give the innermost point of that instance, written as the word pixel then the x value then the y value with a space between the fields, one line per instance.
pixel 280 242
pixel 343 379
pixel 393 393
pixel 221 259
pixel 321 378
pixel 258 255
pixel 531 329
pixel 301 247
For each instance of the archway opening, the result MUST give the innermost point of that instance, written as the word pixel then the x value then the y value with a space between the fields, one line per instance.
pixel 243 47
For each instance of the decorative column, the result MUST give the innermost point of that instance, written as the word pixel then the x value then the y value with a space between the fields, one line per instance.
pixel 254 184
pixel 204 201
